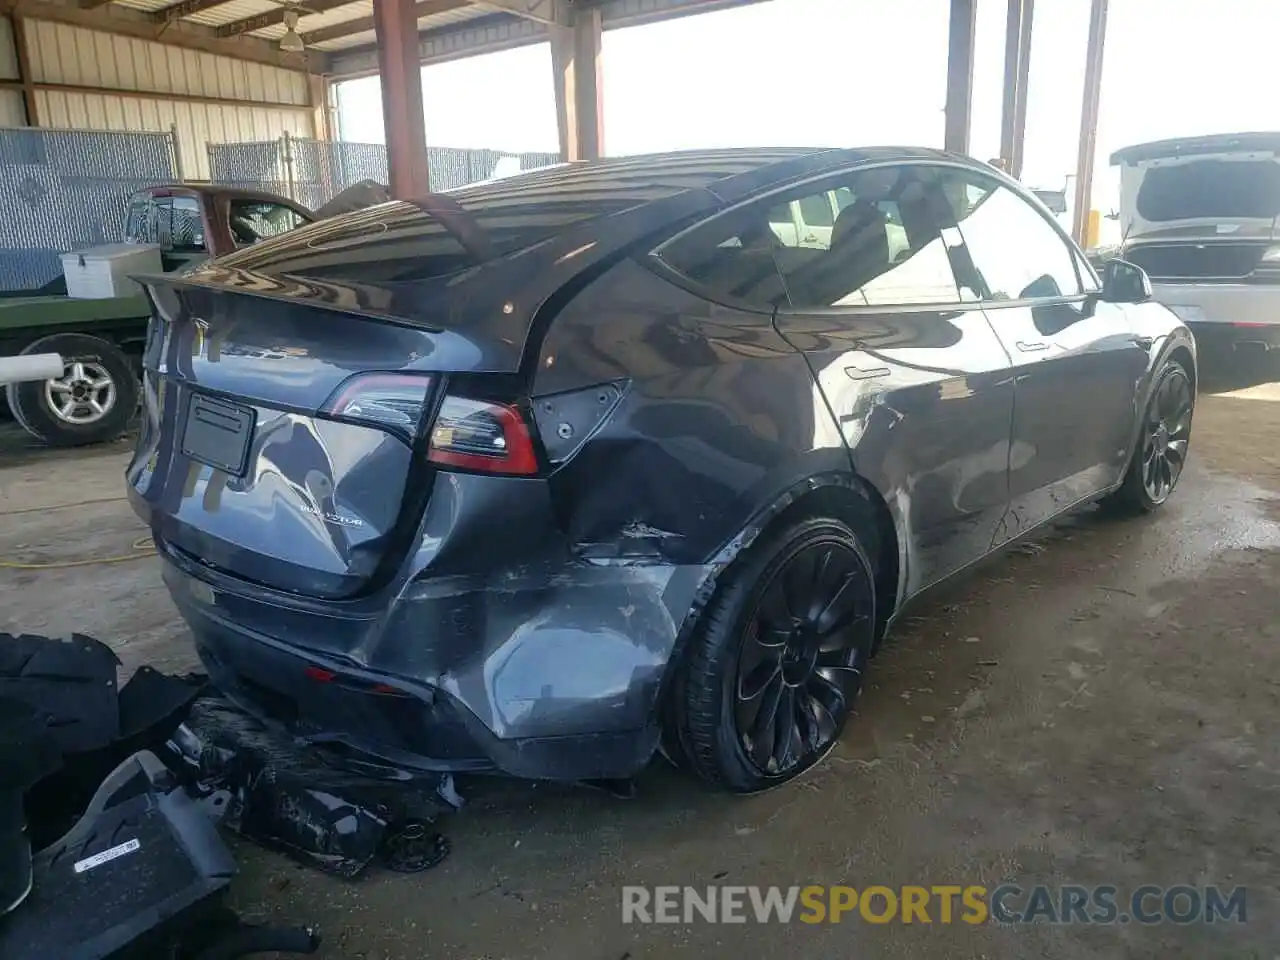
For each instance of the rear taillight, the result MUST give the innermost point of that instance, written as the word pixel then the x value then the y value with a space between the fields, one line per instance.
pixel 471 434
pixel 482 435
pixel 392 401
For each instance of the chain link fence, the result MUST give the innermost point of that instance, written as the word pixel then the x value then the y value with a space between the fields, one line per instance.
pixel 314 171
pixel 63 190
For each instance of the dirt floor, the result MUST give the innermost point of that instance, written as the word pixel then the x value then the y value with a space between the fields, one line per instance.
pixel 1101 706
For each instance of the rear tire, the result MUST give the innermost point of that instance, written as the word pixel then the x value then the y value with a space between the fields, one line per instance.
pixel 1161 451
pixel 772 670
pixel 92 402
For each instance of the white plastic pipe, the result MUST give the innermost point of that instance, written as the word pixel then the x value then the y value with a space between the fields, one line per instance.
pixel 30 366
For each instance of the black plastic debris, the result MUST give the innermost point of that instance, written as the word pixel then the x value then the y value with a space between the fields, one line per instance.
pixel 412 846
pixel 307 801
pixel 139 877
pixel 129 866
pixel 27 753
pixel 70 684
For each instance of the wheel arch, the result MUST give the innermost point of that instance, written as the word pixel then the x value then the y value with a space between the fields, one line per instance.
pixel 1182 353
pixel 1178 347
pixel 844 495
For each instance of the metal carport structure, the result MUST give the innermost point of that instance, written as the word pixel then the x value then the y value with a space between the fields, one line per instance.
pixel 266 65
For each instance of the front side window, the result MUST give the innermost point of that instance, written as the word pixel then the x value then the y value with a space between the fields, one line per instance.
pixel 1016 252
pixel 885 247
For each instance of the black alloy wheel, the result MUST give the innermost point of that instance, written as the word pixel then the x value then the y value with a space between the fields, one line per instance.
pixel 1161 451
pixel 800 664
pixel 1166 434
pixel 772 679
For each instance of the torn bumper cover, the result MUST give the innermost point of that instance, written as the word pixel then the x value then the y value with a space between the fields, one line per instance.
pixel 548 676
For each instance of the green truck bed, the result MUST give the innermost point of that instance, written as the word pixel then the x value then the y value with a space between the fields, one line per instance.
pixel 26 313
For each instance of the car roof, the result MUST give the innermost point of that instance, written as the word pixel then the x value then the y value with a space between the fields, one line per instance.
pixel 659 175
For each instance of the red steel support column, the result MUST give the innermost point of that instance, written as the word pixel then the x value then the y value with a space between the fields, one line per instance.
pixel 1017 70
pixel 575 61
pixel 1024 79
pixel 1089 118
pixel 396 25
pixel 959 104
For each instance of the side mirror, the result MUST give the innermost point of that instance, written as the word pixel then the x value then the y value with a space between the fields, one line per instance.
pixel 1124 282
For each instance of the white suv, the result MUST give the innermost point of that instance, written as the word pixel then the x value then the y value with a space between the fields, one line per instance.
pixel 1199 215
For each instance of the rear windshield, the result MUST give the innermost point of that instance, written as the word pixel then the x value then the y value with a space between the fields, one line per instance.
pixel 1211 189
pixel 409 241
pixel 442 234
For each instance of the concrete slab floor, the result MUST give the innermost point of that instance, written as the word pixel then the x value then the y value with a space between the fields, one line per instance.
pixel 1099 706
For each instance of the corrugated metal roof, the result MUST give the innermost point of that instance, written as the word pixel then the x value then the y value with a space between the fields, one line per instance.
pixel 314 21
pixel 350 40
pixel 144 4
pixel 358 10
pixel 231 11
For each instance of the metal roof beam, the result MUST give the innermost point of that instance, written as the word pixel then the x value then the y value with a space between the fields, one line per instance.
pixel 186 8
pixel 540 11
pixel 502 31
pixel 125 22
pixel 426 8
pixel 272 17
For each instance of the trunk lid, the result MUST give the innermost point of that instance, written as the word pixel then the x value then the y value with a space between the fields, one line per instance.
pixel 239 467
pixel 1201 186
pixel 242 463
pixel 245 464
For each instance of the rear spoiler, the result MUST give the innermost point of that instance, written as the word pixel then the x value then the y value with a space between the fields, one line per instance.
pixel 1191 146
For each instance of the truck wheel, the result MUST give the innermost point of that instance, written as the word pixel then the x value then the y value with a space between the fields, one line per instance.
pixel 93 400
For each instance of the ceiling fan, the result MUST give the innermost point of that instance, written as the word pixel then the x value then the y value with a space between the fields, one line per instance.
pixel 291 41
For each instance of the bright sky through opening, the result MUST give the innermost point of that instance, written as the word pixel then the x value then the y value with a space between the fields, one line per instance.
pixel 858 72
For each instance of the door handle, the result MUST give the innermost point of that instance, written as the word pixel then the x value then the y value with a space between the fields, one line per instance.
pixel 811 238
pixel 1032 346
pixel 865 373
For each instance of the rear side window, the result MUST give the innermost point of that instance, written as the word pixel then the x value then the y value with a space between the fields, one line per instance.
pixel 1017 253
pixel 138 227
pixel 885 248
pixel 816 210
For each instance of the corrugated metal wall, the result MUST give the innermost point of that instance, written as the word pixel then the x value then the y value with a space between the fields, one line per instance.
pixel 65 54
pixel 274 101
pixel 11 112
pixel 8 55
pixel 198 123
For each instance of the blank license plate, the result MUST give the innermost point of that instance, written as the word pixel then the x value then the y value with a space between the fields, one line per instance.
pixel 218 434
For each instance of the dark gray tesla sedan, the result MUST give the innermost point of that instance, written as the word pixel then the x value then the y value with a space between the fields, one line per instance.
pixel 542 474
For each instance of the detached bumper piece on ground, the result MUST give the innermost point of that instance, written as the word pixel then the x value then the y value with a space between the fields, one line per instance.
pixel 306 802
pixel 121 799
pixel 139 876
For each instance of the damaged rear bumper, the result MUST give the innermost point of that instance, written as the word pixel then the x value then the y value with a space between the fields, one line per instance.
pixel 549 677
